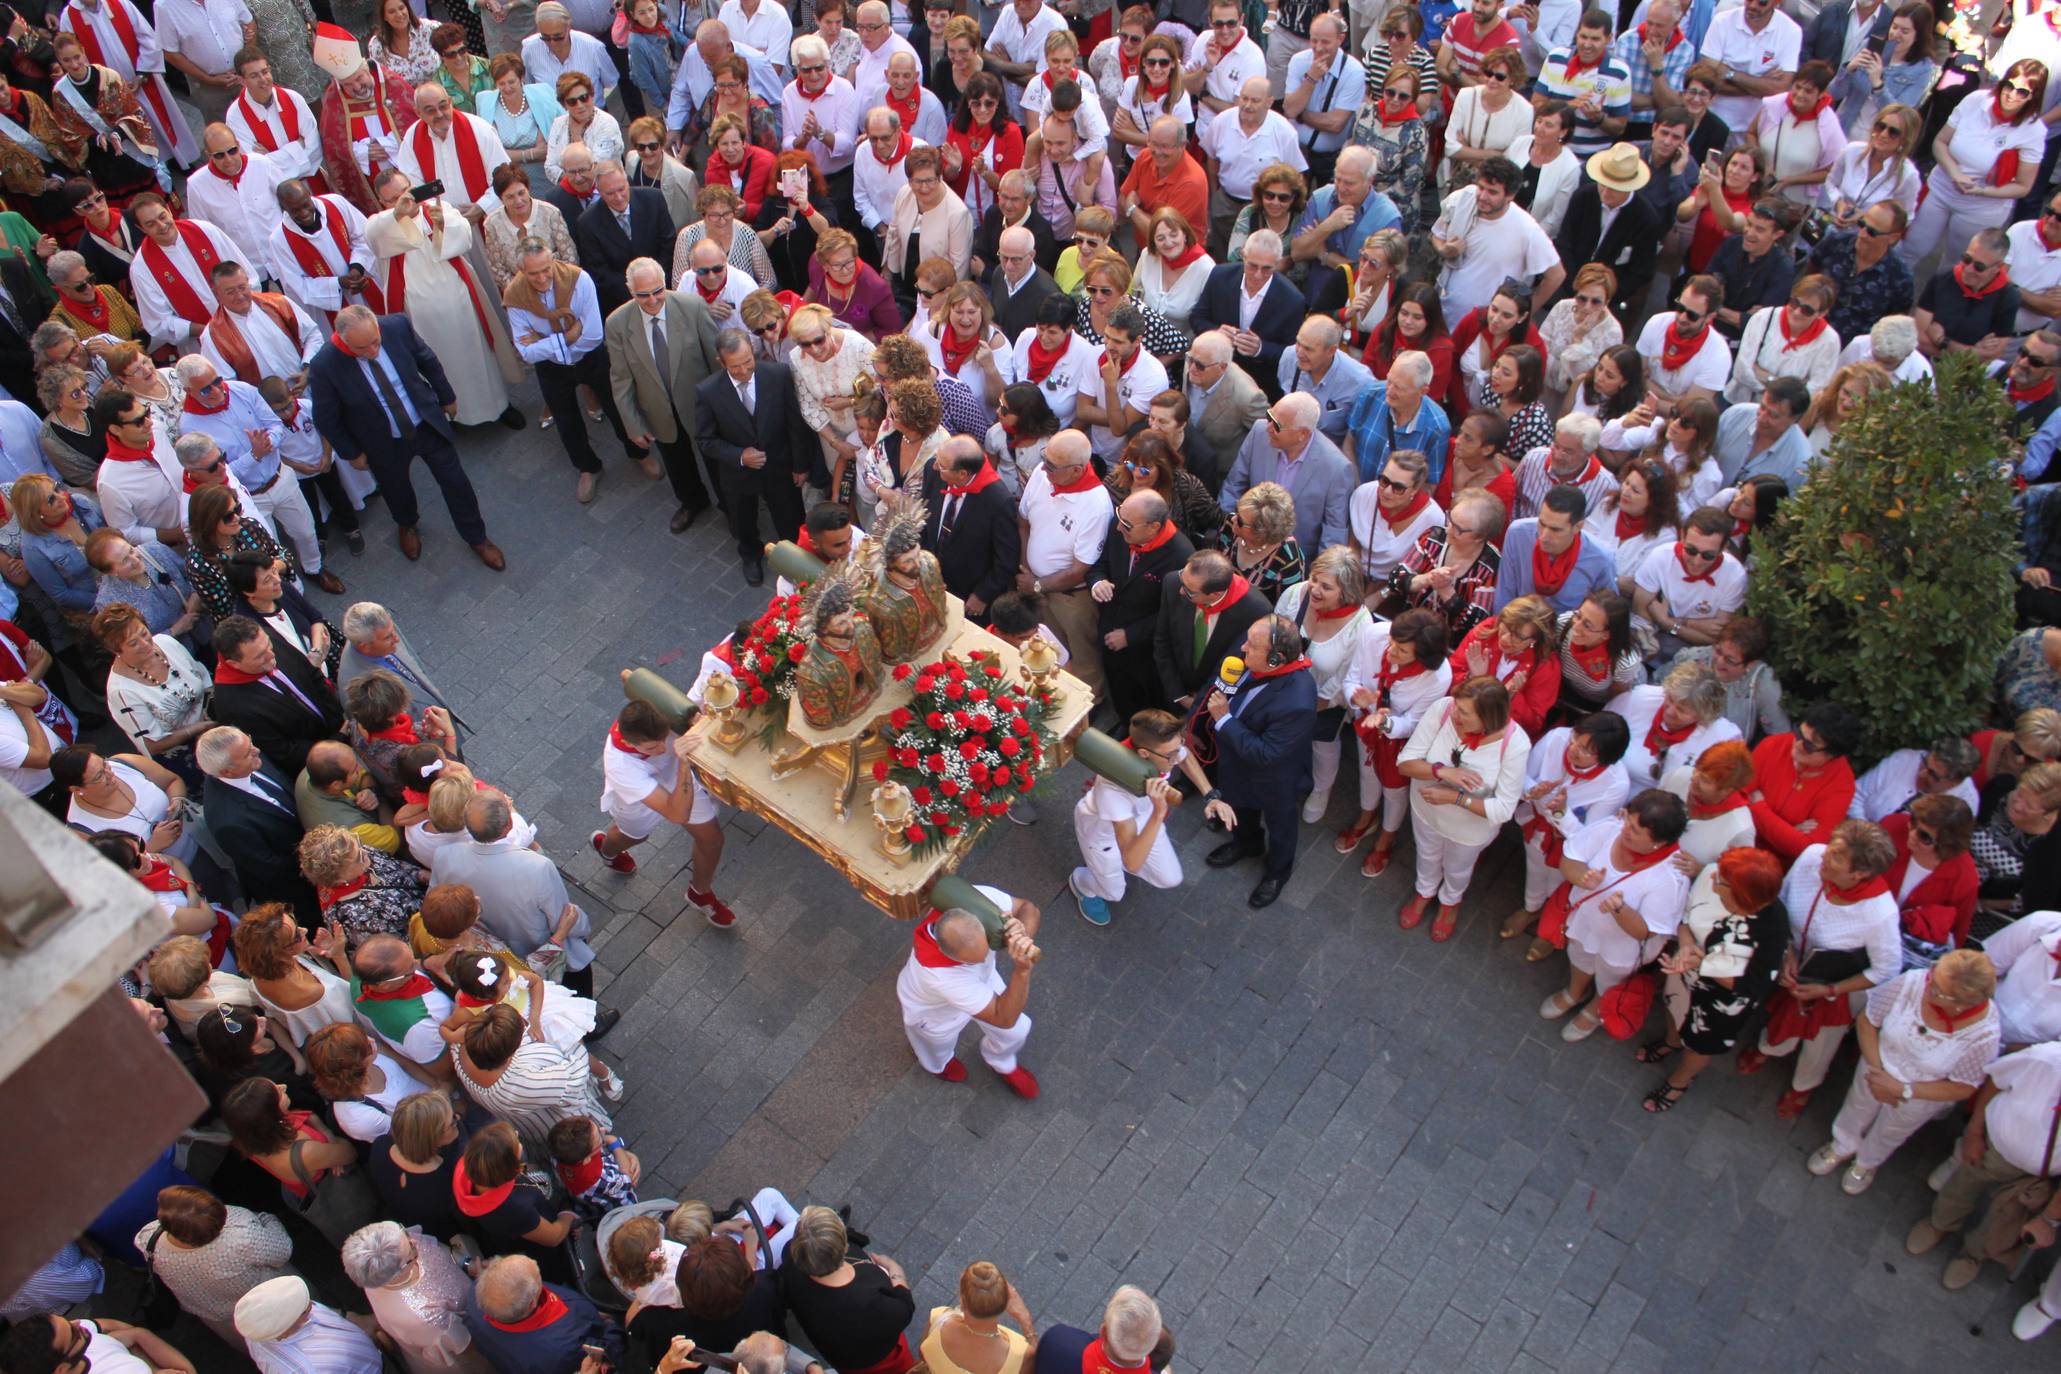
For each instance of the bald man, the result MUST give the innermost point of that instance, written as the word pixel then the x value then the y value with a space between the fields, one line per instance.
pixel 1018 285
pixel 951 978
pixel 238 193
pixel 1167 177
pixel 1241 143
pixel 455 147
pixel 1015 206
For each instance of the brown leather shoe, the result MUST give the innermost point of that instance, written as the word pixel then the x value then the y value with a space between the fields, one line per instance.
pixel 328 582
pixel 490 554
pixel 411 543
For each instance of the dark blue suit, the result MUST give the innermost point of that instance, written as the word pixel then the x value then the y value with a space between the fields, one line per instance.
pixel 1281 313
pixel 1827 33
pixel 351 416
pixel 1263 763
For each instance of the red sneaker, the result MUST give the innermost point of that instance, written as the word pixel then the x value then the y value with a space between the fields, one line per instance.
pixel 1022 1081
pixel 953 1071
pixel 621 863
pixel 711 906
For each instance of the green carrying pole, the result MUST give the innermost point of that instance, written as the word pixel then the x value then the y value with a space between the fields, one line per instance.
pixel 791 561
pixel 1100 754
pixel 645 684
pixel 951 890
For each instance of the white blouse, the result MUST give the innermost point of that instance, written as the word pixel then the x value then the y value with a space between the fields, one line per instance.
pixel 1917 1053
pixel 604 139
pixel 1329 658
pixel 1174 299
pixel 1409 698
pixel 1586 801
pixel 1143 112
pixel 1979 140
pixel 1850 180
pixel 1501 765
pixel 1657 892
pixel 147 712
pixel 1474 125
pixel 1706 839
pixel 1639 707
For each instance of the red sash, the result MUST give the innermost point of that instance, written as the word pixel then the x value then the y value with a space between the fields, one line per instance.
pixel 472 168
pixel 289 119
pixel 236 350
pixel 179 291
pixel 310 258
pixel 118 15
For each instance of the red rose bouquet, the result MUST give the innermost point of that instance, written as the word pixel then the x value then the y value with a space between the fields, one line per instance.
pixel 766 660
pixel 966 746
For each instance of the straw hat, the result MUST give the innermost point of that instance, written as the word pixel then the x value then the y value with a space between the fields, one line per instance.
pixel 1620 168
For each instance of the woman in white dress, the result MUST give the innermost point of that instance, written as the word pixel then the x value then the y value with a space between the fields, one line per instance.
pixel 1573 779
pixel 553 1014
pixel 1398 673
pixel 1171 276
pixel 1329 609
pixel 423 252
pixel 361 1081
pixel 828 359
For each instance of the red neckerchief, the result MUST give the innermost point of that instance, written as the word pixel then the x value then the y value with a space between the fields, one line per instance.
pixel 1403 517
pixel 1583 478
pixel 1794 341
pixel 1629 526
pixel 1338 612
pixel 806 94
pixel 1167 531
pixel 550 1308
pixel 1226 48
pixel 1594 660
pixel 1805 116
pixel 1087 481
pixel 901 150
pixel 578 1178
pixel 228 674
pixel 929 952
pixel 1471 739
pixel 471 1003
pixel 1127 66
pixel 1677 348
pixel 1582 774
pixel 1254 671
pixel 955 353
pixel 472 1201
pixel 1238 588
pixel 1549 574
pixel 1673 39
pixel 1388 675
pixel 330 896
pixel 159 876
pixel 237 180
pixel 418 983
pixel 1699 812
pixel 2018 397
pixel 1040 363
pixel 2003 279
pixel 119 452
pixel 979 482
pixel 195 406
pixel 1181 259
pixel 189 482
pixel 1641 862
pixel 615 732
pixel 1687 576
pixel 401 730
pixel 95 314
pixel 1859 892
pixel 588 199
pixel 1148 91
pixel 1575 66
pixel 1954 1019
pixel 711 296
pixel 806 540
pixel 1128 363
pixel 1096 1360
pixel 1660 736
pixel 1996 107
pixel 908 109
pixel 2039 226
pixel 978 136
pixel 1391 118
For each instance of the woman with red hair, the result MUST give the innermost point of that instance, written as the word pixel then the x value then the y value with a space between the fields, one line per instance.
pixel 1728 953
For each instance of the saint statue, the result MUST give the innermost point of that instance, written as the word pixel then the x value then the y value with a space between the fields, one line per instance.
pixel 907 601
pixel 840 676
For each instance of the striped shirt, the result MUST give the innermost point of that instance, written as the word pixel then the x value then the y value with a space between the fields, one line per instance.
pixel 1674 66
pixel 1535 478
pixel 542 1086
pixel 1610 81
pixel 325 1343
pixel 1474 589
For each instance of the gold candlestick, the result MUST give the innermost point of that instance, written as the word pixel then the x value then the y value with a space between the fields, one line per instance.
pixel 1040 666
pixel 892 808
pixel 720 699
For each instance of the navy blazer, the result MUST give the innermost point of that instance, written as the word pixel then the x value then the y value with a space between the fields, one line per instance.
pixel 985 550
pixel 1264 745
pixel 723 428
pixel 262 843
pixel 1280 315
pixel 605 254
pixel 348 412
pixel 1827 33
pixel 1628 250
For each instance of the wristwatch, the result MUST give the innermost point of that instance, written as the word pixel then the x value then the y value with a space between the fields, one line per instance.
pixel 1907 1092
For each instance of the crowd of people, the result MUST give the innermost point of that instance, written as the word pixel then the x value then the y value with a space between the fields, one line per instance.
pixel 1402 385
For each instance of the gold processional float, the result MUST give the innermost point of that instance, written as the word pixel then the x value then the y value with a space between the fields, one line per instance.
pixel 870 673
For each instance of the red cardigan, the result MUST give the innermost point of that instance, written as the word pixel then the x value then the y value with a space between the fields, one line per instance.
pixel 759 168
pixel 1942 905
pixel 1528 706
pixel 1791 800
pixel 1465 333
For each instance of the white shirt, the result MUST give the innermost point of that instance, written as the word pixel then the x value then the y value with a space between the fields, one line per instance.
pixel 1710 836
pixel 2034 267
pixel 164 323
pixel 1064 529
pixel 1979 140
pixel 1849 180
pixel 584 54
pixel 1135 388
pixel 1657 893
pixel 737 284
pixel 1711 367
pixel 1381 545
pixel 207 33
pixel 1890 785
pixel 875 184
pixel 628 778
pixel 275 354
pixel 1511 245
pixel 1089 122
pixel 1638 707
pixel 1776 48
pixel 322 292
pixel 1249 304
pixel 109 1356
pixel 939 1001
pixel 1077 373
pixel 14 752
pixel 2028 985
pixel 298 157
pixel 770 30
pixel 1815 924
pixel 1341 87
pixel 1662 574
pixel 2019 1120
pixel 838 111
pixel 1586 801
pixel 140 498
pixel 1229 75
pixel 492 153
pixel 1143 111
pixel 1914 367
pixel 247 209
pixel 1242 156
pixel 869 75
pixel 1915 1052
pixel 1500 763
pixel 1021 42
pixel 1408 698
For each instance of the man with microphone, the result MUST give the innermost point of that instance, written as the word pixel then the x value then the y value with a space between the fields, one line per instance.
pixel 1264 726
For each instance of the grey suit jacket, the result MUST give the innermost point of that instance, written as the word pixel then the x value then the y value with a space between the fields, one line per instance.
pixel 1234 408
pixel 521 896
pixel 1321 485
pixel 353 665
pixel 648 402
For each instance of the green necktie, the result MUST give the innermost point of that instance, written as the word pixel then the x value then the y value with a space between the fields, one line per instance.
pixel 1201 633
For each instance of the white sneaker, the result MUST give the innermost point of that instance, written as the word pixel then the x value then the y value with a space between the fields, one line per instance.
pixel 1943 1171
pixel 611 1084
pixel 1825 1159
pixel 2032 1321
pixel 1313 810
pixel 1856 1179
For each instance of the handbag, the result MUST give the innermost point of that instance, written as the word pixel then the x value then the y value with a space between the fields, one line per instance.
pixel 2017 1203
pixel 156 1307
pixel 338 1204
pixel 1832 965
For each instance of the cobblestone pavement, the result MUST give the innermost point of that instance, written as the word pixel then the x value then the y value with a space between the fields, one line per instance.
pixel 1324 1143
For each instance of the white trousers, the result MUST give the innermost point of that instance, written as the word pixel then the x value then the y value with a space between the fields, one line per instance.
pixel 1606 974
pixel 1949 218
pixel 283 502
pixel 1869 1130
pixel 1813 1059
pixel 1394 802
pixel 1102 873
pixel 997 1046
pixel 777 1216
pixel 1540 877
pixel 1444 867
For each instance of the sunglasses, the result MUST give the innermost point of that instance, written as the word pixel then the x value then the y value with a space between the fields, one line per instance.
pixel 645 147
pixel 2017 88
pixel 1390 484
pixel 1975 264
pixel 1223 24
pixel 932 294
pixel 1101 290
pixel 1883 126
pixel 587 99
pixel 1489 75
pixel 1810 745
pixel 1280 197
pixel 1702 555
pixel 1689 316
pixel 800 342
pixel 1131 39
pixel 1872 232
pixel 807 69
pixel 225 154
pixel 719 270
pixel 1151 62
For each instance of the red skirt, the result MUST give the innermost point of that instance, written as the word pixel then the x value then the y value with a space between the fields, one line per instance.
pixel 898 1361
pixel 1789 1019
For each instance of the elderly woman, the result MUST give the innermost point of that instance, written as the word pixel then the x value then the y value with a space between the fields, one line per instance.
pixel 1716 791
pixel 896 465
pixel 1619 902
pixel 1845 939
pixel 463 73
pixel 286 971
pixel 417 1291
pixel 1398 672
pixel 853 1313
pixel 1577 332
pixel 522 113
pixel 1519 650
pixel 828 359
pixel 962 341
pixel 1729 949
pixel 156 690
pixel 55 524
pixel 1279 195
pixel 856 294
pixel 730 95
pixel 1792 340
pixel 520 216
pixel 295 624
pixel 1151 463
pixel 1934 876
pixel 73 441
pixel 148 578
pixel 1260 539
pixel 210 1254
pixel 2034 737
pixel 217 531
pixel 1330 611
pixel 364 891
pixel 1465 762
pixel 651 166
pixel 528 1082
pixel 583 121
pixel 413 1164
pixel 1573 779
pixel 738 165
pixel 361 1082
pixel 2015 845
pixel 1927 1039
pixel 1391 123
pixel 1753 695
pixel 1672 722
pixel 925 210
pixel 1452 567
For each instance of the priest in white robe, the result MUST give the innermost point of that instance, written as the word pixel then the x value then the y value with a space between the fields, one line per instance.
pixel 238 193
pixel 459 149
pixel 276 120
pixel 320 253
pixel 118 37
pixel 169 273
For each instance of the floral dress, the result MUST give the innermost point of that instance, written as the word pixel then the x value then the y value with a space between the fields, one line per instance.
pixel 1282 570
pixel 208 571
pixel 413 67
pixel 379 902
pixel 1402 154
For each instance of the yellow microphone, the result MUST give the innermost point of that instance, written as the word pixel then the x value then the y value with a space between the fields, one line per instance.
pixel 1228 675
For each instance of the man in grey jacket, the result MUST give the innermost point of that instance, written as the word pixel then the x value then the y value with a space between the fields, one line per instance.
pixel 372 640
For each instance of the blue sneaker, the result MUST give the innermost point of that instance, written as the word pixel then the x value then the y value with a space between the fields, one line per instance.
pixel 1094 910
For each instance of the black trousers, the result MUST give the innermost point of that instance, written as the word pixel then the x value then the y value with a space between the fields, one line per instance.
pixel 1271 829
pixel 392 464
pixel 2038 605
pixel 560 384
pixel 744 492
pixel 581 983
pixel 328 487
pixel 683 469
pixel 1132 675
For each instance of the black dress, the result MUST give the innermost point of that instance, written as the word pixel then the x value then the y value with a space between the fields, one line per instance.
pixel 792 251
pixel 853 1326
pixel 413 1199
pixel 1717 1015
pixel 762 1310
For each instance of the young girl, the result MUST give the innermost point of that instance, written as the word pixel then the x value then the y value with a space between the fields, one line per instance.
pixel 870 467
pixel 651 53
pixel 562 1018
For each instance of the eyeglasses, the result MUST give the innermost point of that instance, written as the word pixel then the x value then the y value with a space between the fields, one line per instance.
pixel 1100 290
pixel 1490 74
pixel 1390 484
pixel 1159 61
pixel 1975 264
pixel 733 87
pixel 225 154
pixel 924 183
pixel 645 147
pixel 719 270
